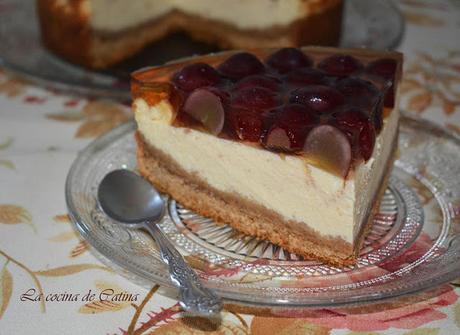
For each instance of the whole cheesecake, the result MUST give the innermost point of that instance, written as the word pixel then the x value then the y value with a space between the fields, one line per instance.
pixel 100 33
pixel 293 146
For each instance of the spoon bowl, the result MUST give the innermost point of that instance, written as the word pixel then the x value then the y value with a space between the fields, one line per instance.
pixel 129 199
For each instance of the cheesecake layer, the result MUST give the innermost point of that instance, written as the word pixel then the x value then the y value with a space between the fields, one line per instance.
pixel 83 32
pixel 115 15
pixel 300 192
pixel 243 215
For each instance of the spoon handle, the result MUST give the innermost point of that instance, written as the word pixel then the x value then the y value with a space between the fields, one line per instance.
pixel 194 297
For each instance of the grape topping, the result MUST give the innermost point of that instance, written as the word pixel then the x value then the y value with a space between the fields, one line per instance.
pixel 292 103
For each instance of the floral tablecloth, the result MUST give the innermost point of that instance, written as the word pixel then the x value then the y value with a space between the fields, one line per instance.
pixel 50 283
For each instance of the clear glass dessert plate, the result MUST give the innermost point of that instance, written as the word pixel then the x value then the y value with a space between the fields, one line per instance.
pixel 414 243
pixel 372 24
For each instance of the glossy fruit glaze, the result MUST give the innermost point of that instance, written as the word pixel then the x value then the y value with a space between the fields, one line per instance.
pixel 286 101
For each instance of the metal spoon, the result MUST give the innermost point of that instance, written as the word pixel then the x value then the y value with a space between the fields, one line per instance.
pixel 132 201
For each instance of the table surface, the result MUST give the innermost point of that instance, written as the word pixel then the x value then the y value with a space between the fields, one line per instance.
pixel 41 133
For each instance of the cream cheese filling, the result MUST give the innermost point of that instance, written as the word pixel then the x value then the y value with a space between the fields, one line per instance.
pixel 116 15
pixel 296 190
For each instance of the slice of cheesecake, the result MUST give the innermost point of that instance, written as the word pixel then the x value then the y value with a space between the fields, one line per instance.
pixel 292 146
pixel 99 33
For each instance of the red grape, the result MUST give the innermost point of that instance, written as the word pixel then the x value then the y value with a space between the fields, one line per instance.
pixel 241 65
pixel 287 59
pixel 340 65
pixel 255 98
pixel 196 75
pixel 318 97
pixel 263 81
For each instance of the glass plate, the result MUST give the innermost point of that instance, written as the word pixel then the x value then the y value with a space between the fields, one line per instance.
pixel 414 243
pixel 374 24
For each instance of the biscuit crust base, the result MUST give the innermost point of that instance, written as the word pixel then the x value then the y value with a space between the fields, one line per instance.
pixel 67 32
pixel 243 215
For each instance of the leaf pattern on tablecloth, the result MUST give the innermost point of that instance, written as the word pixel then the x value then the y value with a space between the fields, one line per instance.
pixel 70 270
pixel 98 117
pixel 95 307
pixel 5 145
pixel 285 326
pixel 12 87
pixel 424 4
pixel 33 99
pixel 32 275
pixel 420 13
pixel 13 214
pixel 420 19
pixel 62 218
pixel 63 237
pixel 6 288
pixel 153 318
pixel 409 84
pixel 101 306
pixel 101 116
pixel 420 102
pixel 448 107
pixel 79 249
pixel 67 116
pixel 6 162
pixel 72 102
pixel 430 81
